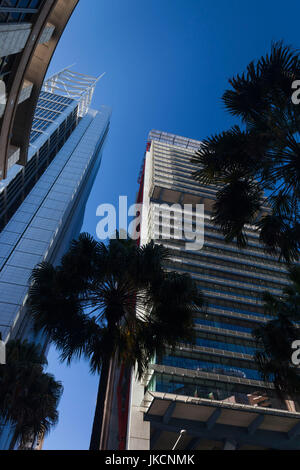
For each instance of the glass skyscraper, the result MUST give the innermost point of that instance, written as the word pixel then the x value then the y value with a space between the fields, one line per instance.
pixel 210 389
pixel 43 203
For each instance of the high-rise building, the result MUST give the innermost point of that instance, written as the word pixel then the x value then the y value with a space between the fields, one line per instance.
pixel 212 389
pixel 42 203
pixel 29 33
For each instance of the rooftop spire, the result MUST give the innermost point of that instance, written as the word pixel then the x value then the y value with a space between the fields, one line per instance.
pixel 74 85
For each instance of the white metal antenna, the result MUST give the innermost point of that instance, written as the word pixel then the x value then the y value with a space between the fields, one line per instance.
pixel 73 85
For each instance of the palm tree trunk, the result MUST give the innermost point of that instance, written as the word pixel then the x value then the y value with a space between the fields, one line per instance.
pixel 14 440
pixel 99 411
pixel 104 441
pixel 34 439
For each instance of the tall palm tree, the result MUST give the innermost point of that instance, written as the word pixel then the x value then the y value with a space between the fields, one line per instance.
pixel 113 302
pixel 275 338
pixel 257 164
pixel 28 396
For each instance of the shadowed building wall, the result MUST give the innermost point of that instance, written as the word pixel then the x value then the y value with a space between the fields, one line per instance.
pixel 29 33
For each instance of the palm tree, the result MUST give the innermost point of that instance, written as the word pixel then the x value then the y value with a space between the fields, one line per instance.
pixel 275 338
pixel 112 303
pixel 45 394
pixel 257 165
pixel 28 396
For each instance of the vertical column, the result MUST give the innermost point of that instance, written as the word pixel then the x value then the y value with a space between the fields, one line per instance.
pixel 138 433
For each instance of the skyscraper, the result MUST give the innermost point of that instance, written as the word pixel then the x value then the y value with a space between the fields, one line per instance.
pixel 42 204
pixel 29 33
pixel 212 389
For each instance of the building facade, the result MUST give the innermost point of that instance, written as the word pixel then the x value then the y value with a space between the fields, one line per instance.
pixel 211 389
pixel 43 203
pixel 29 33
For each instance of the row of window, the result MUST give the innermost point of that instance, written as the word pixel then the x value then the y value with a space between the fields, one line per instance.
pixel 60 108
pixel 40 124
pixel 48 109
pixel 225 346
pixel 55 98
pixel 18 11
pixel 166 142
pixel 220 315
pixel 205 256
pixel 209 276
pixel 223 325
pixel 227 393
pixel 209 267
pixel 214 368
pixel 45 114
pixel 17 190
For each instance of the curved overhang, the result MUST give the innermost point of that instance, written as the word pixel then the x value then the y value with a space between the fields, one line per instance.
pixel 210 422
pixel 31 66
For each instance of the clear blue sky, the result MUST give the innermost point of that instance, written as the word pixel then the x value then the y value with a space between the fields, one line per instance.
pixel 168 63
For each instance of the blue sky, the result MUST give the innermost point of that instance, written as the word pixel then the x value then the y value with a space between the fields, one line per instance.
pixel 168 63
